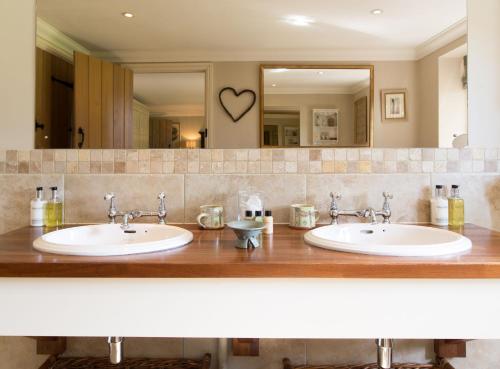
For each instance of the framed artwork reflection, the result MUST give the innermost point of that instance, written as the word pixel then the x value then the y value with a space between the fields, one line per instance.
pixel 393 105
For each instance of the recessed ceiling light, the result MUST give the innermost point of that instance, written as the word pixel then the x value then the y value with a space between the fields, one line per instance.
pixel 299 20
pixel 128 15
pixel 377 11
pixel 321 72
pixel 274 85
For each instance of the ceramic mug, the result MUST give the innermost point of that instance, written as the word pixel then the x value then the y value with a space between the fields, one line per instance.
pixel 303 216
pixel 211 217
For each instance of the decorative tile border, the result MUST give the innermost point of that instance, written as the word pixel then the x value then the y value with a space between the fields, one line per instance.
pixel 250 161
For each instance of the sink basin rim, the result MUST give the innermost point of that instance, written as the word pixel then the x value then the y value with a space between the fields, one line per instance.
pixel 456 245
pixel 46 242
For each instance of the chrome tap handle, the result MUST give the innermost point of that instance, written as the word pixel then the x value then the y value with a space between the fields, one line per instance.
pixel 334 207
pixel 386 208
pixel 162 208
pixel 112 212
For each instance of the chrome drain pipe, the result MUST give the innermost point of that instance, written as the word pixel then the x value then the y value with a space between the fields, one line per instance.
pixel 384 353
pixel 115 349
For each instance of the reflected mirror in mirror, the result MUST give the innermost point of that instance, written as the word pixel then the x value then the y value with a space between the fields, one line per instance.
pixel 169 110
pixel 316 106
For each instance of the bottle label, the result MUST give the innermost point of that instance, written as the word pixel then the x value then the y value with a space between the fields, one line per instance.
pixel 37 216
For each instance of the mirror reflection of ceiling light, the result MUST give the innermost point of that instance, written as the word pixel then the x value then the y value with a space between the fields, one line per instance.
pixel 377 11
pixel 274 85
pixel 321 72
pixel 128 15
pixel 299 20
pixel 279 70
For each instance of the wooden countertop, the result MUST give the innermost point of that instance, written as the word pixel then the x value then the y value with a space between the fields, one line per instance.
pixel 284 255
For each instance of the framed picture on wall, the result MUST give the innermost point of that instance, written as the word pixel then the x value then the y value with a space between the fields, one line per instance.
pixel 325 124
pixel 393 105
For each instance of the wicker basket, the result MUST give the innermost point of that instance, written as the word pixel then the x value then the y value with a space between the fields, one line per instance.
pixel 440 364
pixel 103 363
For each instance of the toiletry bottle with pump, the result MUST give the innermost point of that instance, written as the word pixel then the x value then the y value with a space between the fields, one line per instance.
pixel 54 210
pixel 439 207
pixel 455 208
pixel 38 208
pixel 268 222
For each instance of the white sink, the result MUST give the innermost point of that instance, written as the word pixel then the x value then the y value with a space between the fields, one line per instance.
pixel 110 239
pixel 388 239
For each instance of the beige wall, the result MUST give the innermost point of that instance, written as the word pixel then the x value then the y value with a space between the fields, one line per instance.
pixel 307 102
pixel 428 91
pixel 245 133
pixel 17 74
pixel 484 72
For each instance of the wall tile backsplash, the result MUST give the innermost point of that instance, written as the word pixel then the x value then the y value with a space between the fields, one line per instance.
pixel 195 177
pixel 255 161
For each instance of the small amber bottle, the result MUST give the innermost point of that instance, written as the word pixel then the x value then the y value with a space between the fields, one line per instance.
pixel 455 208
pixel 53 216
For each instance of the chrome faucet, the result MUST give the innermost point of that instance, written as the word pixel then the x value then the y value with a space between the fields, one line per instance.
pixel 371 213
pixel 113 212
pixel 335 211
pixel 129 215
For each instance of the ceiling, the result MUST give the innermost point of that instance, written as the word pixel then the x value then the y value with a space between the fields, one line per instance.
pixel 211 30
pixel 320 81
pixel 158 89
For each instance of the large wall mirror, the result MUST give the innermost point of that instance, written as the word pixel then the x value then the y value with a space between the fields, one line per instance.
pixel 304 105
pixel 111 74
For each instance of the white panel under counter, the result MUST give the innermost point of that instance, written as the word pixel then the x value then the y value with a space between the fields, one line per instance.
pixel 249 307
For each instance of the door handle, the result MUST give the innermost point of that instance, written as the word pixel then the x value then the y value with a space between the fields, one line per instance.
pixel 81 132
pixel 39 125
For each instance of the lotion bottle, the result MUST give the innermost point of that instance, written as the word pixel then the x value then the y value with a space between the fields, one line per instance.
pixel 54 210
pixel 37 209
pixel 268 222
pixel 455 208
pixel 439 207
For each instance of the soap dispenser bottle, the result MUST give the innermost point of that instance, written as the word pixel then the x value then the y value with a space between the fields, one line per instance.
pixel 37 209
pixel 455 208
pixel 439 207
pixel 54 210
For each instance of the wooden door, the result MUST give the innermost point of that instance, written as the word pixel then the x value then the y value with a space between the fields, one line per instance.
pixel 103 104
pixel 54 101
pixel 361 121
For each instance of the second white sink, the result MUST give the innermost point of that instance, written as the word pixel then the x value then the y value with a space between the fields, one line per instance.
pixel 110 239
pixel 388 239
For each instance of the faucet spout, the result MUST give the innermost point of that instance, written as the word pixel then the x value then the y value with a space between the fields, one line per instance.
pixel 115 349
pixel 372 214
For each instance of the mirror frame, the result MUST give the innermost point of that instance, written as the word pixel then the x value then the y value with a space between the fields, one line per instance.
pixel 263 67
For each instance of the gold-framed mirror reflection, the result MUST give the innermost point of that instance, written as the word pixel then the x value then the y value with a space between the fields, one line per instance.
pixel 316 105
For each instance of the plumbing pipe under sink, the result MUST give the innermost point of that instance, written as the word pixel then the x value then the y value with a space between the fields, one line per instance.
pixel 115 349
pixel 384 353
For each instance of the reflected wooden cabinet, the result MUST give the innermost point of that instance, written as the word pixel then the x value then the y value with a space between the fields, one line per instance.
pixel 103 104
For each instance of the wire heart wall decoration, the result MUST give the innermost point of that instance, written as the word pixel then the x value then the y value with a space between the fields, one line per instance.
pixel 237 94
